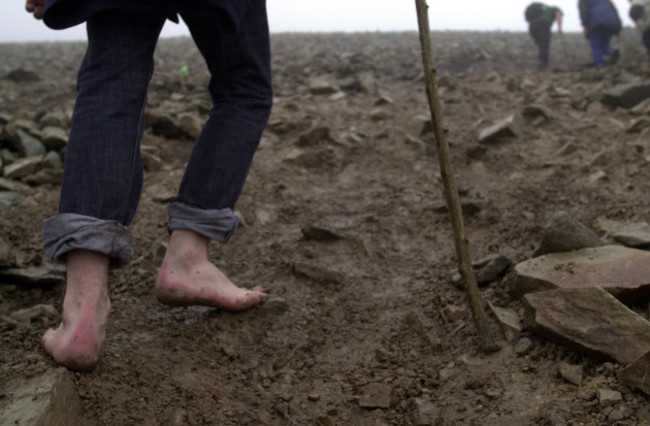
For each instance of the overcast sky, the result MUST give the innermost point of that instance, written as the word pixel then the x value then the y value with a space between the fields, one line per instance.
pixel 336 15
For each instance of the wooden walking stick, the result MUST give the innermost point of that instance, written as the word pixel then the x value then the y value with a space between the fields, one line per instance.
pixel 451 191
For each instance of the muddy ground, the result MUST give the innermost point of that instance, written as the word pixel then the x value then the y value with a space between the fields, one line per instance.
pixel 376 306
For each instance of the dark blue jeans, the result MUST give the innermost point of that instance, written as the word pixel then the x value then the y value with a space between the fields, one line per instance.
pixel 103 168
pixel 599 39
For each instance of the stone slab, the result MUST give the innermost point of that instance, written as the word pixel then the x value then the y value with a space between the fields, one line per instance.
pixel 34 275
pixel 503 128
pixel 637 374
pixel 590 320
pixel 627 95
pixel 563 233
pixel 375 395
pixel 47 400
pixel 624 272
pixel 632 234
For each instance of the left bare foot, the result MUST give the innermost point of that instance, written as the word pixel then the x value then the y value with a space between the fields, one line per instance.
pixel 77 341
pixel 187 277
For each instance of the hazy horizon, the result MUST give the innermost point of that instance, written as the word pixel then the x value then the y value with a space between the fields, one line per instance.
pixel 335 16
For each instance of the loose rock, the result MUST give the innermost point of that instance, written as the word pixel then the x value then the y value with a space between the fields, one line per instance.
pixel 622 271
pixel 626 95
pixel 591 320
pixel 375 395
pixel 424 412
pixel 637 374
pixel 563 233
pixel 49 399
pixel 632 234
pixel 506 127
pixel 571 373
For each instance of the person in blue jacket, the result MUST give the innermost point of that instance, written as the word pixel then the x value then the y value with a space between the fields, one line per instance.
pixel 600 22
pixel 103 169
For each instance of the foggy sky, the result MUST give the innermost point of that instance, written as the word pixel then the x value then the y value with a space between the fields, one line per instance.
pixel 336 15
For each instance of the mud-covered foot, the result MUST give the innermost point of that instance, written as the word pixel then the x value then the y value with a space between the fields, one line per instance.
pixel 77 341
pixel 187 277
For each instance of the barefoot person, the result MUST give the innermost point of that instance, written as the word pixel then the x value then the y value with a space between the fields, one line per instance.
pixel 103 168
pixel 600 23
pixel 640 14
pixel 540 18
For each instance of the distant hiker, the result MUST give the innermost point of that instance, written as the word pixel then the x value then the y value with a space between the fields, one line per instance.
pixel 640 14
pixel 600 22
pixel 103 172
pixel 540 18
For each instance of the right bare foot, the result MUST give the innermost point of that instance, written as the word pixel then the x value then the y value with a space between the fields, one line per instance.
pixel 187 277
pixel 77 341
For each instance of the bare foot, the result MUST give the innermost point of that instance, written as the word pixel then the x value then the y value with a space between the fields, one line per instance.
pixel 187 277
pixel 78 339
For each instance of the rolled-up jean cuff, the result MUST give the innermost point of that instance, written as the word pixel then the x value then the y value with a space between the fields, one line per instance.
pixel 219 225
pixel 70 231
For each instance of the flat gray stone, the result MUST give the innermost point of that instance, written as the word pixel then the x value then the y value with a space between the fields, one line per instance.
pixel 53 120
pixel 23 167
pixel 424 412
pixel 49 399
pixel 523 346
pixel 571 373
pixel 189 125
pixel 590 320
pixel 8 199
pixel 506 127
pixel 54 137
pixel 375 395
pixel 637 374
pixel 491 268
pixel 563 233
pixel 45 176
pixel 608 397
pixel 508 320
pixel 27 315
pixel 314 136
pixel 622 271
pixel 632 234
pixel 322 85
pixel 51 160
pixel 33 275
pixel 627 95
pixel 28 145
pixel 12 185
pixel 419 126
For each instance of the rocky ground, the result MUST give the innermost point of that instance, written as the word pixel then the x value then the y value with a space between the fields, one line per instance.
pixel 344 223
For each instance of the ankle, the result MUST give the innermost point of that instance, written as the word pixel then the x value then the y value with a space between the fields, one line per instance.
pixel 187 247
